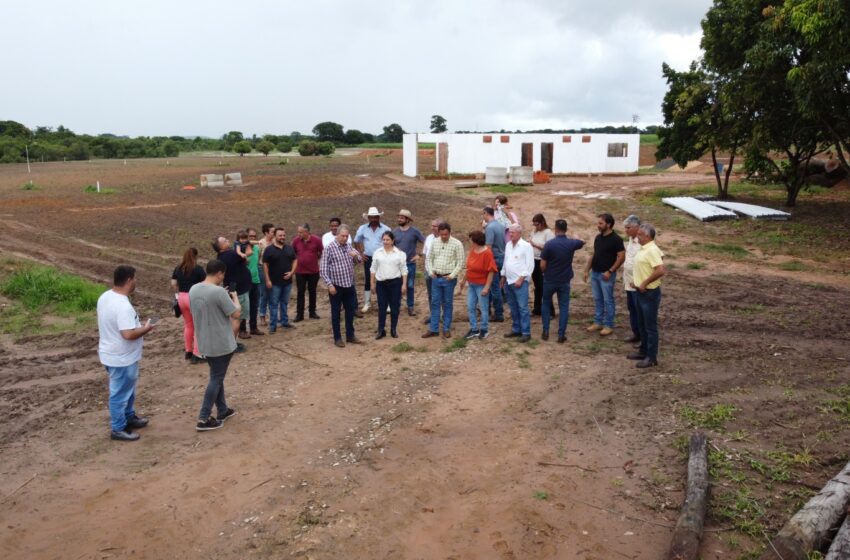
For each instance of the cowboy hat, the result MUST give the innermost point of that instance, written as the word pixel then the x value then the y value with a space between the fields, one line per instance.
pixel 406 214
pixel 373 211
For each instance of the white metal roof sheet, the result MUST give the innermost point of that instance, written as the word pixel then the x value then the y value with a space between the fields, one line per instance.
pixel 751 210
pixel 699 209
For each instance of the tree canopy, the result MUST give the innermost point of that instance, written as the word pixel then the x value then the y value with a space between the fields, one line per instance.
pixel 438 124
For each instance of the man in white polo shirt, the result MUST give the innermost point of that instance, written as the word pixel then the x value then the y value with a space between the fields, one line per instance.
pixel 120 350
pixel 516 273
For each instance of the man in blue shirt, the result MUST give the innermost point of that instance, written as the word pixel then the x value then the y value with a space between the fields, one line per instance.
pixel 367 241
pixel 556 260
pixel 494 237
pixel 406 239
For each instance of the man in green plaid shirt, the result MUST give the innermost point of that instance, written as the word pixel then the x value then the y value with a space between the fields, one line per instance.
pixel 446 260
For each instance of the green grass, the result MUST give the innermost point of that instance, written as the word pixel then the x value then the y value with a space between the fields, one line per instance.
pixel 30 186
pixel 506 189
pixel 840 406
pixel 93 189
pixel 457 343
pixel 403 347
pixel 36 291
pixel 541 495
pixel 648 139
pixel 392 146
pixel 726 249
pixel 695 266
pixel 714 418
pixel 794 266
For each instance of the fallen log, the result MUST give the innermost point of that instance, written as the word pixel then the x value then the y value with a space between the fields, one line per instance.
pixel 688 531
pixel 809 529
pixel 840 547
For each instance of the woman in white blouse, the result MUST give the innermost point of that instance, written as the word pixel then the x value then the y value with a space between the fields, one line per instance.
pixel 538 239
pixel 389 276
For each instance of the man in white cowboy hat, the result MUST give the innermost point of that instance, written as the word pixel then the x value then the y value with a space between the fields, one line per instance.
pixel 406 239
pixel 368 240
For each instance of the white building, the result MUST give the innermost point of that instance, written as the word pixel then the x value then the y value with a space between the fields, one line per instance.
pixel 553 153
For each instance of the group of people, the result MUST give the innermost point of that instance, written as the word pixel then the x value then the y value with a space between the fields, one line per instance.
pixel 257 273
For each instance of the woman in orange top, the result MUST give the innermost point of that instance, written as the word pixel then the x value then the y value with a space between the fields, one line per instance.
pixel 480 269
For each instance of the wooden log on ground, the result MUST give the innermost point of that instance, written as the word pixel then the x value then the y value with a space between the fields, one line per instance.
pixel 809 529
pixel 840 547
pixel 688 531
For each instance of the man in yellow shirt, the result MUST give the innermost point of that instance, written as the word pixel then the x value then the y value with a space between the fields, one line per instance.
pixel 648 270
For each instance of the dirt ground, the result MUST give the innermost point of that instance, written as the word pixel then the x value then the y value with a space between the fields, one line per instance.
pixel 496 450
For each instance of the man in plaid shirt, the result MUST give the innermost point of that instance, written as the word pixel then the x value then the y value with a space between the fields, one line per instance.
pixel 446 260
pixel 337 270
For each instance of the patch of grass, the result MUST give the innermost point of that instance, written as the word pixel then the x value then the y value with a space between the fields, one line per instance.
pixel 749 309
pixel 744 511
pixel 458 343
pixel 506 189
pixel 714 418
pixel 533 343
pixel 726 249
pixel 794 266
pixel 403 347
pixel 695 266
pixel 648 139
pixel 93 189
pixel 37 291
pixel 840 406
pixel 522 359
pixel 30 186
pixel 541 495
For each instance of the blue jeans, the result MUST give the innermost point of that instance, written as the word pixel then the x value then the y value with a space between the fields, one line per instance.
pixel 603 297
pixel 122 394
pixel 474 300
pixel 279 304
pixel 344 298
pixel 518 302
pixel 631 301
pixel 215 386
pixel 497 297
pixel 388 292
pixel 264 294
pixel 648 303
pixel 563 291
pixel 442 293
pixel 411 281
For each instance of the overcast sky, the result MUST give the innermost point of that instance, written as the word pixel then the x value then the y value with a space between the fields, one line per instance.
pixel 187 67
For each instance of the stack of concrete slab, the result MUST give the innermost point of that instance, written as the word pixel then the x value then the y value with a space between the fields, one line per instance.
pixel 698 209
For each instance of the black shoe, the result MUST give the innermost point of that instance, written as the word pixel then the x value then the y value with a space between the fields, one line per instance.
pixel 209 424
pixel 134 422
pixel 296 320
pixel 288 326
pixel 394 333
pixel 411 312
pixel 646 362
pixel 482 335
pixel 544 335
pixel 524 338
pixel 633 338
pixel 562 339
pixel 497 320
pixel 240 348
pixel 314 316
pixel 470 334
pixel 124 435
pixel 227 414
pixel 636 356
pixel 188 356
pixel 196 360
pixel 426 321
pixel 381 335
pixel 513 335
pixel 536 313
pixel 339 343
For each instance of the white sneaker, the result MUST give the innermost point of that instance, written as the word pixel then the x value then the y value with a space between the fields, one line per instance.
pixel 365 308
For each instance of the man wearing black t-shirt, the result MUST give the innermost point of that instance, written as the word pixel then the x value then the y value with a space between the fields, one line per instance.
pixel 237 277
pixel 279 264
pixel 608 255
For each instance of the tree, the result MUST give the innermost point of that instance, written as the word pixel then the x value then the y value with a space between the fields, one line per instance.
pixel 438 124
pixel 393 133
pixel 284 146
pixel 354 137
pixel 264 147
pixel 326 148
pixel 700 117
pixel 242 148
pixel 231 138
pixel 308 148
pixel 329 132
pixel 170 148
pixel 819 78
pixel 295 137
pixel 753 54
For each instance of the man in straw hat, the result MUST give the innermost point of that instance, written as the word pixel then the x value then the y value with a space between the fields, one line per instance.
pixel 367 240
pixel 406 239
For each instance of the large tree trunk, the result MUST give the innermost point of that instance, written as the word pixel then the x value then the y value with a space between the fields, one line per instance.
pixel 717 174
pixel 725 194
pixel 809 529
pixel 840 547
pixel 688 532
